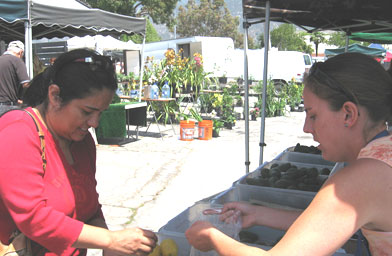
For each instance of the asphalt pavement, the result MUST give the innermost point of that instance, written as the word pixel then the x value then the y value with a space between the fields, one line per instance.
pixel 151 180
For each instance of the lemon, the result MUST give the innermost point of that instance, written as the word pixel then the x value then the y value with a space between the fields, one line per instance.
pixel 156 251
pixel 169 247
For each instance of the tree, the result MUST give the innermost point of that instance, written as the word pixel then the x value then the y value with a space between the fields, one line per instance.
pixel 208 18
pixel 151 35
pixel 317 38
pixel 339 39
pixel 161 12
pixel 286 38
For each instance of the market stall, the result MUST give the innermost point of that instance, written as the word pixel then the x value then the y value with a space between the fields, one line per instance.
pixel 311 16
pixel 263 185
pixel 26 20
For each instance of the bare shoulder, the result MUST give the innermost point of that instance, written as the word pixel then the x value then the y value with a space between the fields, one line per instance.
pixel 363 172
pixel 365 185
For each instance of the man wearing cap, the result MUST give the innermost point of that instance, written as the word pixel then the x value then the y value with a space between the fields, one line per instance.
pixel 13 76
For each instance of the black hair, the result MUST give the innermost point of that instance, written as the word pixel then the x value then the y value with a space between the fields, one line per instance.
pixel 77 73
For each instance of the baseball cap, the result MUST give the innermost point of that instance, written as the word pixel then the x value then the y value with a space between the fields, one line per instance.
pixel 16 44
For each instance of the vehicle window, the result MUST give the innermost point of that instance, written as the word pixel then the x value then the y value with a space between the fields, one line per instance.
pixel 307 60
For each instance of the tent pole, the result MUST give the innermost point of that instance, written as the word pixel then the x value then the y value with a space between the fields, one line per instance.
pixel 246 99
pixel 265 78
pixel 29 43
pixel 347 43
pixel 141 69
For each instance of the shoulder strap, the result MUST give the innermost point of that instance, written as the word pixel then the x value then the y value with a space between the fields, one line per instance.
pixel 41 138
pixel 40 134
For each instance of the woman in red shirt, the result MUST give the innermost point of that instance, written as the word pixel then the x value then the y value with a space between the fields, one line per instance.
pixel 57 207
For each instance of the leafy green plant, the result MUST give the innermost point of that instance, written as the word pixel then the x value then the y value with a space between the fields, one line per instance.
pixel 217 125
pixel 228 115
pixel 195 114
pixel 165 111
pixel 294 94
pixel 275 104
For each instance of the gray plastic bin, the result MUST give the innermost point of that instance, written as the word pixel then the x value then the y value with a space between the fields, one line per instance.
pixel 298 157
pixel 177 226
pixel 287 197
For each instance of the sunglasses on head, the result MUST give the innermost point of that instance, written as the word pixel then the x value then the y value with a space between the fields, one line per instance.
pixel 319 75
pixel 95 62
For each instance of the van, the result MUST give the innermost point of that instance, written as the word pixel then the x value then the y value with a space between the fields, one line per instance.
pixel 287 66
pixel 283 66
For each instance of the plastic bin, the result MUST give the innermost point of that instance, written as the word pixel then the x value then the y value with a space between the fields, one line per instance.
pixel 265 196
pixel 297 157
pixel 287 197
pixel 180 239
pixel 177 226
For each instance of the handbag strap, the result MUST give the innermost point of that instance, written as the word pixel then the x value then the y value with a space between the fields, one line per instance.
pixel 41 138
pixel 39 130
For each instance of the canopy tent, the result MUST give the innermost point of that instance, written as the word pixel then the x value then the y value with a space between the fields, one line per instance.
pixel 101 43
pixel 28 19
pixel 356 48
pixel 347 16
pixel 388 56
pixel 377 46
pixel 35 19
pixel 380 38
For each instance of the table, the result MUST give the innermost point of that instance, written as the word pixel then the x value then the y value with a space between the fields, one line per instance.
pixel 150 105
pixel 116 120
pixel 136 114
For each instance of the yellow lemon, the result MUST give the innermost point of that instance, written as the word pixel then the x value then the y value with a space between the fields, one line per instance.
pixel 169 247
pixel 156 251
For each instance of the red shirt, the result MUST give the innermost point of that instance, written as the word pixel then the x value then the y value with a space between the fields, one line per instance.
pixel 49 207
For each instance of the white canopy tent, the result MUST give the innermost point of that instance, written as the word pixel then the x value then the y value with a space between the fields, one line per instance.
pixel 101 43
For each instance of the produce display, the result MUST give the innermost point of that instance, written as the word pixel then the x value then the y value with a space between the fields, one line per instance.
pixel 289 176
pixel 167 247
pixel 307 149
pixel 252 238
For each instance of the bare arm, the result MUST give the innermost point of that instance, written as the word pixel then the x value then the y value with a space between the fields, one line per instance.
pixel 335 214
pixel 262 216
pixel 135 241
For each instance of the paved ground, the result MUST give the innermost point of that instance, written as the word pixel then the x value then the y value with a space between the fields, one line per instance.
pixel 148 182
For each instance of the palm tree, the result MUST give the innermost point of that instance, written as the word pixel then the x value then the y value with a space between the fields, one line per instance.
pixel 317 38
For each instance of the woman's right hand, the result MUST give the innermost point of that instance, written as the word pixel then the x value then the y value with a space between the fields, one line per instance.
pixel 132 241
pixel 248 213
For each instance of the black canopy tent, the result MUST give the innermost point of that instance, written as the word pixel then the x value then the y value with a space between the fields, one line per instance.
pixel 347 16
pixel 27 20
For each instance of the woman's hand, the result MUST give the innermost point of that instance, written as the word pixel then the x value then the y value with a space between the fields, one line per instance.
pixel 132 241
pixel 198 235
pixel 247 211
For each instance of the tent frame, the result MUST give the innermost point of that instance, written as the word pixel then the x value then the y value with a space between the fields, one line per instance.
pixel 307 15
pixel 64 22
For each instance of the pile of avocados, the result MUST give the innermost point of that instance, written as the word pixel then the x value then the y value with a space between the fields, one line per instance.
pixel 307 149
pixel 289 176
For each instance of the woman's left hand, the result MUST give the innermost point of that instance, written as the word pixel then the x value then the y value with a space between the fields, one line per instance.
pixel 198 235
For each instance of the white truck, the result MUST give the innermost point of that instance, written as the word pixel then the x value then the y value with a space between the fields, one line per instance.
pixel 283 66
pixel 216 51
pixel 221 59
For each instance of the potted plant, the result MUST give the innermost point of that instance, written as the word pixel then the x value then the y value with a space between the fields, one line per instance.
pixel 217 125
pixel 254 113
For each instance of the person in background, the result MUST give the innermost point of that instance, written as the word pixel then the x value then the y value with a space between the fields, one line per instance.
pixel 347 102
pixel 13 76
pixel 57 206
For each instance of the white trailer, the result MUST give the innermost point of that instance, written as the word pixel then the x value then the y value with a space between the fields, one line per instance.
pixel 216 51
pixel 283 66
